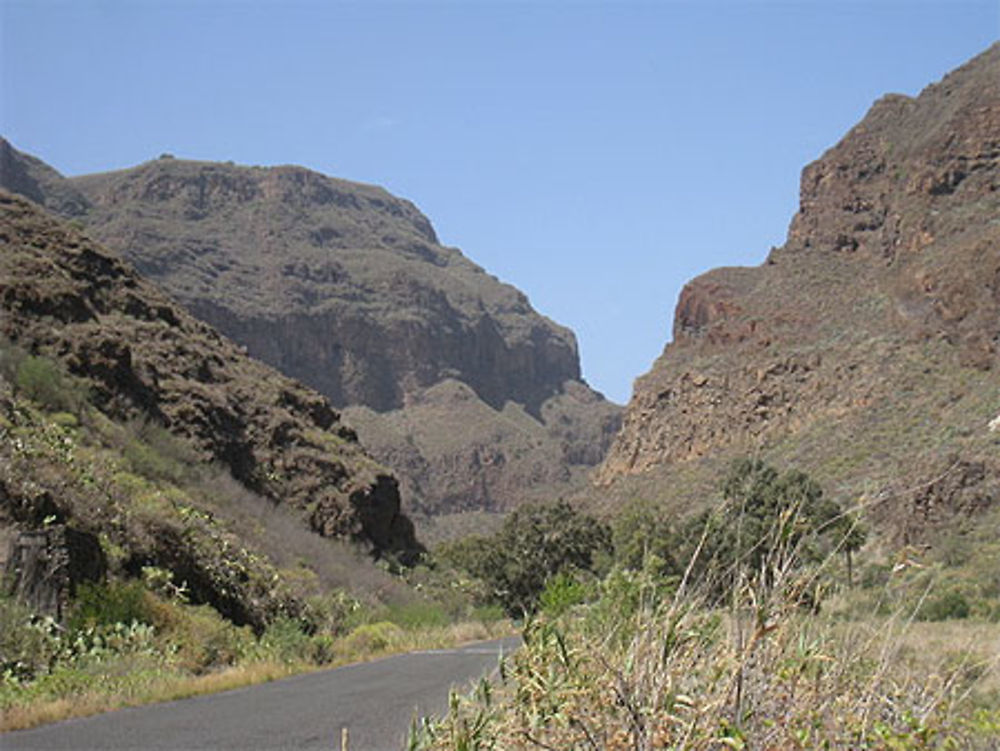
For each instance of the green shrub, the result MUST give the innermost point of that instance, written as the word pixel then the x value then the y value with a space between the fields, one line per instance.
pixel 535 543
pixel 372 637
pixel 417 614
pixel 323 649
pixel 285 641
pixel 28 643
pixel 488 613
pixel 875 574
pixel 641 530
pixel 64 419
pixel 156 454
pixel 560 594
pixel 107 604
pixel 197 636
pixel 333 613
pixel 463 553
pixel 766 524
pixel 160 581
pixel 946 606
pixel 624 593
pixel 42 380
pixel 205 640
pixel 11 357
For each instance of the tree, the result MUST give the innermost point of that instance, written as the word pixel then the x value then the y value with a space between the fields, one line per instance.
pixel 641 531
pixel 851 536
pixel 767 523
pixel 535 543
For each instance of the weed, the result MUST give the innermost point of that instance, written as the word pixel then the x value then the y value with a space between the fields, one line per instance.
pixel 560 594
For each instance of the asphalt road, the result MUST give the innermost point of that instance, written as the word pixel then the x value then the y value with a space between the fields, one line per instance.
pixel 375 701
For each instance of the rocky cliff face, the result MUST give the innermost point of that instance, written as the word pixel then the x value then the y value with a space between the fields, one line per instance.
pixel 339 284
pixel 64 296
pixel 869 344
pixel 346 288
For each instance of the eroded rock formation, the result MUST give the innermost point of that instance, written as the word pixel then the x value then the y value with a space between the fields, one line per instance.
pixel 869 344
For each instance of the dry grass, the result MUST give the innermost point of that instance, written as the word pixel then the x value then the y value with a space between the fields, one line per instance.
pixel 764 675
pixel 169 688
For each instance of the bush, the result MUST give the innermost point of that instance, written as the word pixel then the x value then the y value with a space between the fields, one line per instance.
pixel 200 638
pixel 28 643
pixel 639 531
pixel 285 641
pixel 625 593
pixel 66 420
pixel 766 525
pixel 372 637
pixel 487 613
pixel 417 614
pixel 43 381
pixel 156 454
pixel 560 594
pixel 534 544
pixel 323 649
pixel 946 606
pixel 111 603
pixel 331 613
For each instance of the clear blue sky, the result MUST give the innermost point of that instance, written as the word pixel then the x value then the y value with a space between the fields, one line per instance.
pixel 595 154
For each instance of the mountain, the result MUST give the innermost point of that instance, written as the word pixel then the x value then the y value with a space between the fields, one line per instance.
pixel 865 350
pixel 449 375
pixel 147 365
pixel 32 178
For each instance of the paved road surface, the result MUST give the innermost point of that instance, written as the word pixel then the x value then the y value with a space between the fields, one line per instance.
pixel 376 701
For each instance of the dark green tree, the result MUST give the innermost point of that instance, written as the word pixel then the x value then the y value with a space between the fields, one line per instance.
pixel 766 523
pixel 535 543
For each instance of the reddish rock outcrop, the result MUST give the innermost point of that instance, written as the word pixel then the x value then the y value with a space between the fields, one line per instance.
pixel 874 332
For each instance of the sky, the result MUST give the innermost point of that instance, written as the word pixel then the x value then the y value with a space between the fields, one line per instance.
pixel 596 155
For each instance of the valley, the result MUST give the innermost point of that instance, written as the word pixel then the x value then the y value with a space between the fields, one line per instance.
pixel 260 419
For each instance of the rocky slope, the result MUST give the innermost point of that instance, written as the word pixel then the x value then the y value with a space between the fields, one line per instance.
pixel 347 288
pixel 867 348
pixel 64 296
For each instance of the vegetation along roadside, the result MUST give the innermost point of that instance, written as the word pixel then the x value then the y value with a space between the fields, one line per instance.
pixel 755 625
pixel 136 630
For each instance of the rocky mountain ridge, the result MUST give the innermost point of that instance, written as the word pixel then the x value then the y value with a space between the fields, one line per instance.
pixel 866 348
pixel 65 297
pixel 347 288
